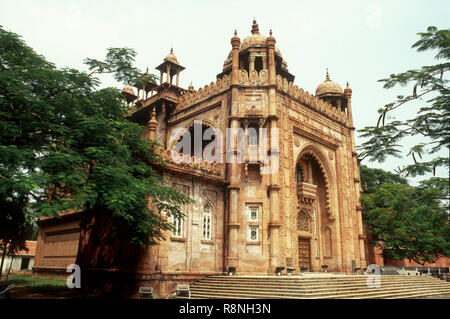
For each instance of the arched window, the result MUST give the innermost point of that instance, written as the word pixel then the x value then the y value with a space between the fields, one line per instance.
pixel 207 222
pixel 178 227
pixel 303 221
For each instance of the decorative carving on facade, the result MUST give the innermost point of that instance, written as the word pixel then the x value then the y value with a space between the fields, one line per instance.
pixel 303 223
pixel 309 100
pixel 254 78
pixel 210 196
pixel 243 77
pixel 190 163
pixel 191 98
pixel 181 188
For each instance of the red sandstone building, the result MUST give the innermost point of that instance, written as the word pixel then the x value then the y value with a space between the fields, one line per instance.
pixel 305 214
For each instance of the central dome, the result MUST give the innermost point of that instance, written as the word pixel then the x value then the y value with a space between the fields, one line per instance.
pixel 255 40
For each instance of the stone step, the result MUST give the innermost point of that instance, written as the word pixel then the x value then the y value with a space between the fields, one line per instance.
pixel 301 289
pixel 309 284
pixel 399 295
pixel 293 287
pixel 303 282
pixel 372 295
pixel 310 279
pixel 294 294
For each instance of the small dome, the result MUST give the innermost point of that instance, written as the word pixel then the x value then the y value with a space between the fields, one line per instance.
pixel 171 57
pixel 128 90
pixel 328 87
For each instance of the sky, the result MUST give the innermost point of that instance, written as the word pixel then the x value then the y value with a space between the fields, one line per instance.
pixel 358 41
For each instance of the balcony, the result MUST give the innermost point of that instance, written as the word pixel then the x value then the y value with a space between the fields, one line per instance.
pixel 190 165
pixel 306 192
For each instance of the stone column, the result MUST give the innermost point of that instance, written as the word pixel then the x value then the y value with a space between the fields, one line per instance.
pixel 357 179
pixel 264 59
pixel 168 73
pixel 251 65
pixel 233 171
pixel 274 187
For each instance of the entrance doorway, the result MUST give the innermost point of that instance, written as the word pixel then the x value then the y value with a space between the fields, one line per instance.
pixel 304 253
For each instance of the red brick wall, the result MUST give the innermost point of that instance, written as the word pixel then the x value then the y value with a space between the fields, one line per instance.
pixel 378 259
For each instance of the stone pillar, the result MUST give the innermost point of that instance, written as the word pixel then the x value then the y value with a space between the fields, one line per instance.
pixel 273 188
pixel 251 65
pixel 233 171
pixel 178 78
pixel 168 73
pixel 357 178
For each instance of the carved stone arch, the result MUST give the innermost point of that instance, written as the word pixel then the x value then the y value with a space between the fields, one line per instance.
pixel 325 168
pixel 205 122
pixel 210 204
pixel 302 169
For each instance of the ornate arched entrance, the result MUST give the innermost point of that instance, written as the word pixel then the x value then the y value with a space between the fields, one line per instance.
pixel 314 217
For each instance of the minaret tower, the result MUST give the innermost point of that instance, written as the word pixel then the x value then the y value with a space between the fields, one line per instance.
pixel 234 169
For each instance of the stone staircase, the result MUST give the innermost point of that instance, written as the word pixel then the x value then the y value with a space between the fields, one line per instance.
pixel 318 287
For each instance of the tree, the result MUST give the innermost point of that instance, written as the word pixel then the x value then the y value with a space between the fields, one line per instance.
pixel 69 146
pixel 406 221
pixel 431 124
pixel 373 178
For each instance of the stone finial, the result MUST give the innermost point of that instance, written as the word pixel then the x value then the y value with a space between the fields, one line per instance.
pixel 348 91
pixel 255 28
pixel 270 40
pixel 235 41
pixel 191 88
pixel 328 76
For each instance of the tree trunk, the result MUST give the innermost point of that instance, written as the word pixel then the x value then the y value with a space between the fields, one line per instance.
pixel 107 265
pixel 3 259
pixel 9 269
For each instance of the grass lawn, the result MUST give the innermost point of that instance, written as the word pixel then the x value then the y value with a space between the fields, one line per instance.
pixel 35 282
pixel 32 286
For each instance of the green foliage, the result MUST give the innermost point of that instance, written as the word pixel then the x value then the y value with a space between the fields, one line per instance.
pixel 431 124
pixel 69 146
pixel 406 221
pixel 373 178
